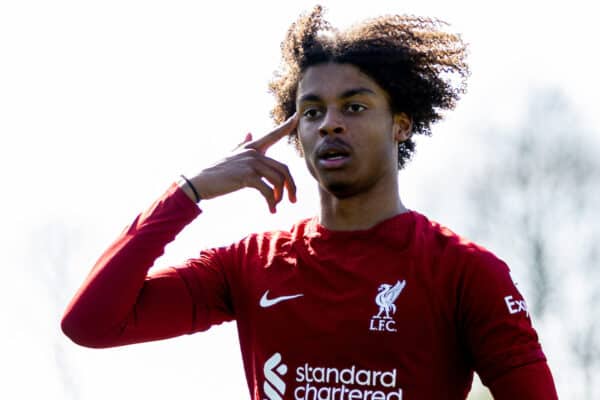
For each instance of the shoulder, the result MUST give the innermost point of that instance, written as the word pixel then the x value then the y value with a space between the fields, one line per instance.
pixel 261 244
pixel 448 245
pixel 275 237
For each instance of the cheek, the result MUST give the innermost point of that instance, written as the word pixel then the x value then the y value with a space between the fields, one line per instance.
pixel 305 146
pixel 304 140
pixel 383 131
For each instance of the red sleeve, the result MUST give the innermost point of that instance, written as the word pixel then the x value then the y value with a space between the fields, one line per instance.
pixel 498 332
pixel 530 382
pixel 119 302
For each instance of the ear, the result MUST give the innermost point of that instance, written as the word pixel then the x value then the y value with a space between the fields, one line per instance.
pixel 402 127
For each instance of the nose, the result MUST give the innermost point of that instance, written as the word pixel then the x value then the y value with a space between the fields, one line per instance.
pixel 332 123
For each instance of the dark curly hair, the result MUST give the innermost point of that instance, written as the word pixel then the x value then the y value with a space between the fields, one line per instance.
pixel 421 67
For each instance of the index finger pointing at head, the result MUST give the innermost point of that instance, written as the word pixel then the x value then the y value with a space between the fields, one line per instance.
pixel 262 144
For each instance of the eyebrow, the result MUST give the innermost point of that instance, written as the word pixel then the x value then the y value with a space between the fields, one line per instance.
pixel 347 94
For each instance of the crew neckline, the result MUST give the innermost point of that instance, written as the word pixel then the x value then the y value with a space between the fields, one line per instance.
pixel 400 224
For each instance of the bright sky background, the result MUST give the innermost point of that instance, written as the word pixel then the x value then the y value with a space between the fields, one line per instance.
pixel 103 104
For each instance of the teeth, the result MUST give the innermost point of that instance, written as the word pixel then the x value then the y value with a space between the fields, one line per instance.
pixel 333 156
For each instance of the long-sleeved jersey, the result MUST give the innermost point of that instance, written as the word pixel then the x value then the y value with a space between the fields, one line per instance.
pixel 406 310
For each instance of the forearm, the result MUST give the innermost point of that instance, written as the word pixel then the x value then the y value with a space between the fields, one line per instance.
pixel 111 292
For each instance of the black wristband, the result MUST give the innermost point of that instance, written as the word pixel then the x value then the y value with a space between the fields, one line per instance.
pixel 196 195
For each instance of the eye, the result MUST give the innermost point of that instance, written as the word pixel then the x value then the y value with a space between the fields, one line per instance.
pixel 312 113
pixel 354 108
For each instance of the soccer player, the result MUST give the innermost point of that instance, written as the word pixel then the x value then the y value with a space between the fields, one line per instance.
pixel 366 301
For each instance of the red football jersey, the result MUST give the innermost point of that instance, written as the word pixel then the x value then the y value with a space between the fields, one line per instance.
pixel 404 310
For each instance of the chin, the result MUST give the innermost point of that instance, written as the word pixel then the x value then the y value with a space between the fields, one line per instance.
pixel 340 190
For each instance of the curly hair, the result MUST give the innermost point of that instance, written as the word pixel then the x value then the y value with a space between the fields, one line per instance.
pixel 421 67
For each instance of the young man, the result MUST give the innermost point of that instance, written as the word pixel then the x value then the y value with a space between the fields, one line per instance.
pixel 368 300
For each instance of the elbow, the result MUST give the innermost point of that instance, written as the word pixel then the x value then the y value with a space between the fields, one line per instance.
pixel 72 328
pixel 76 330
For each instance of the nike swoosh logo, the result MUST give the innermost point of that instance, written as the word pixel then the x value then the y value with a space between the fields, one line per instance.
pixel 266 302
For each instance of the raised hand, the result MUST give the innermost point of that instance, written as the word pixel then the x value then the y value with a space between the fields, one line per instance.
pixel 249 166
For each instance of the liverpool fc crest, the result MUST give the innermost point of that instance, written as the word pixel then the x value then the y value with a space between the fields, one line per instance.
pixel 385 299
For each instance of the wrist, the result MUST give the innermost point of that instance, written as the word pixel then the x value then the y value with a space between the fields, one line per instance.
pixel 189 189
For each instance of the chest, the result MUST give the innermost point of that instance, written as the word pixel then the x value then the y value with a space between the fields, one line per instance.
pixel 379 324
pixel 390 307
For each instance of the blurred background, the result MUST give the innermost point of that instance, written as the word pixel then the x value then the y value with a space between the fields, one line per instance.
pixel 104 104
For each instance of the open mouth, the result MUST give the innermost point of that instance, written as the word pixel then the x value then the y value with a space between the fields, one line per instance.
pixel 333 156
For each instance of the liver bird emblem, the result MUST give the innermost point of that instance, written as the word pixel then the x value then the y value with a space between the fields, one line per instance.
pixel 386 298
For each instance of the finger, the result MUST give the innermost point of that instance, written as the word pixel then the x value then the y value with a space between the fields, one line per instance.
pixel 262 144
pixel 284 171
pixel 266 191
pixel 272 175
pixel 247 139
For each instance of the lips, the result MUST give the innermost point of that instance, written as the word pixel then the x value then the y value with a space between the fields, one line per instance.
pixel 333 154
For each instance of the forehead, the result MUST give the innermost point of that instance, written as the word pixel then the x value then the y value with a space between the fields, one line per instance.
pixel 331 80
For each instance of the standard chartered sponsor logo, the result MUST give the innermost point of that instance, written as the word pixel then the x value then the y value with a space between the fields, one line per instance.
pixel 326 383
pixel 323 383
pixel 274 369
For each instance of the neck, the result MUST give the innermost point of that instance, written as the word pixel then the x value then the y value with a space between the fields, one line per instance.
pixel 360 211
